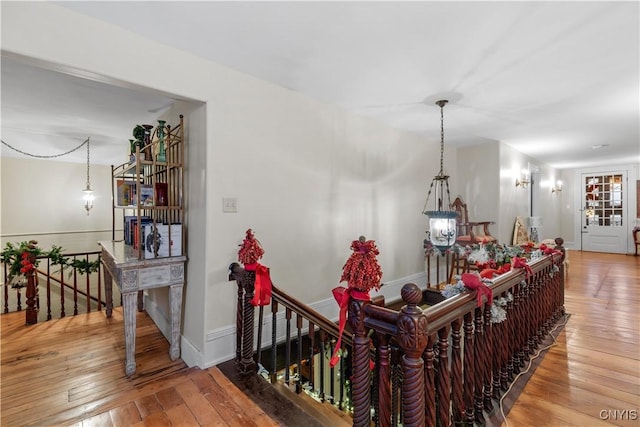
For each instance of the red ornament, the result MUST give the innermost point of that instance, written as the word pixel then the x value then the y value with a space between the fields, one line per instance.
pixel 250 250
pixel 362 271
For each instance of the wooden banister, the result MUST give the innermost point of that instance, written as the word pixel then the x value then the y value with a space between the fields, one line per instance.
pixel 440 366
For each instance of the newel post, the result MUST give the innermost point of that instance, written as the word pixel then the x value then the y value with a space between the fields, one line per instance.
pixel 244 317
pixel 412 338
pixel 361 382
pixel 31 293
pixel 254 289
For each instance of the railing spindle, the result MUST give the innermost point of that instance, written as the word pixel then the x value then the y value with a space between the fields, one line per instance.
pixel 287 348
pixel 274 342
pixel 456 371
pixel 469 368
pixel 299 353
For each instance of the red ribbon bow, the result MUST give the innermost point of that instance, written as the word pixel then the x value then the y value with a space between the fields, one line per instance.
pixel 488 273
pixel 546 250
pixel 473 282
pixel 343 296
pixel 522 263
pixel 262 286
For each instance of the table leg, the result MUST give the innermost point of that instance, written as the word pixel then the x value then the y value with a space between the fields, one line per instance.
pixel 129 302
pixel 108 291
pixel 175 301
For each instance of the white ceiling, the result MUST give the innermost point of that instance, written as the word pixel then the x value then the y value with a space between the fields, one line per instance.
pixel 551 79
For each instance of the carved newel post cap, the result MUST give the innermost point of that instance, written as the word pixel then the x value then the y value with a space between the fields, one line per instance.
pixel 411 294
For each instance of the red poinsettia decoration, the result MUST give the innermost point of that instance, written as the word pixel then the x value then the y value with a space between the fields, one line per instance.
pixel 26 263
pixel 362 271
pixel 250 250
pixel 249 254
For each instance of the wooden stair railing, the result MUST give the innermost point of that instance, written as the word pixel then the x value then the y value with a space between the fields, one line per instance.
pixel 306 353
pixel 448 364
pixel 49 280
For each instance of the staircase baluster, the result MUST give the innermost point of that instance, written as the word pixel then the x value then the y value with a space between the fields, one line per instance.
pixel 456 371
pixel 274 343
pixel 259 338
pixel 469 368
pixel 287 348
pixel 299 353
pixel 62 289
pixel 312 340
pixel 332 373
pixel 478 372
pixel 383 401
pixel 323 337
pixel 488 355
pixel 48 292
pixel 75 293
pixel 444 377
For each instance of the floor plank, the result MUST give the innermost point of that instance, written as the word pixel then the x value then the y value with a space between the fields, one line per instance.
pixel 591 377
pixel 70 372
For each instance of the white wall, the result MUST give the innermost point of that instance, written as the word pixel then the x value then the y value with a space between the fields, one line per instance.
pixel 40 196
pixel 487 175
pixel 308 178
pixel 478 178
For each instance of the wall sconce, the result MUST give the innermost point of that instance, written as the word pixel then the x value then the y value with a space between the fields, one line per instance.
pixel 557 188
pixel 524 180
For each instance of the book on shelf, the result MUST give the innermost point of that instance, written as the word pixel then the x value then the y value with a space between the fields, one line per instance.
pixel 162 240
pixel 130 224
pixel 125 190
pixel 162 196
pixel 146 195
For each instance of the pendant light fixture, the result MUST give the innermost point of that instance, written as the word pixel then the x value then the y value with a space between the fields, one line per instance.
pixel 88 192
pixel 442 220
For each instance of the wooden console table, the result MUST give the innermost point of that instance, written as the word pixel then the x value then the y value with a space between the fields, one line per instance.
pixel 121 264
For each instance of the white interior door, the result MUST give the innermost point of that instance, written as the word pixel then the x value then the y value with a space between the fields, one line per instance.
pixel 603 222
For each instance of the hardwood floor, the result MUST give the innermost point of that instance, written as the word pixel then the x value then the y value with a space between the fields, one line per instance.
pixel 591 377
pixel 70 371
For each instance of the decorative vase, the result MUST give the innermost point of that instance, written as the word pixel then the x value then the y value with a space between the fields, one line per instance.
pixel 162 157
pixel 146 140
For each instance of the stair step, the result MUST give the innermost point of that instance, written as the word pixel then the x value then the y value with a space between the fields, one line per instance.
pixel 282 407
pixel 324 412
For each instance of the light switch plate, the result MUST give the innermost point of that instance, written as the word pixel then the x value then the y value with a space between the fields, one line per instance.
pixel 229 204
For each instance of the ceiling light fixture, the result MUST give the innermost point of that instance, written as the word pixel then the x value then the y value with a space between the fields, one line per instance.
pixel 88 192
pixel 442 223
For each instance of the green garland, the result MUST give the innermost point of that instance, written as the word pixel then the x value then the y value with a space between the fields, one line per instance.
pixel 13 254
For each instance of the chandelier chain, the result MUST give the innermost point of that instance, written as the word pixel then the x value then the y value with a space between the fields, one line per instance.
pixel 39 156
pixel 88 162
pixel 441 139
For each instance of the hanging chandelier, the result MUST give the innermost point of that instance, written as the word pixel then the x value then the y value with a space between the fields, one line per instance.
pixel 88 192
pixel 442 222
